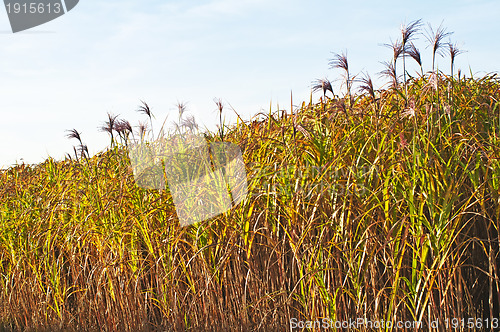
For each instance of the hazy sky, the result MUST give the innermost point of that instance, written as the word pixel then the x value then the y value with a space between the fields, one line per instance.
pixel 106 56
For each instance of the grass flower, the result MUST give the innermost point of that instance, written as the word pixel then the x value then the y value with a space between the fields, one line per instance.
pixel 410 110
pixel 367 86
pixel 144 108
pixel 435 39
pixel 322 85
pixel 124 129
pixel 390 72
pixel 340 61
pixel 73 133
pixel 82 148
pixel 407 34
pixel 142 129
pixel 397 51
pixel 109 126
pixel 409 31
pixel 414 53
pixel 454 52
pixel 220 108
pixel 190 123
pixel 181 109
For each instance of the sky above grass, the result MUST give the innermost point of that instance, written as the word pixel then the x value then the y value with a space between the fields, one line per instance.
pixel 106 56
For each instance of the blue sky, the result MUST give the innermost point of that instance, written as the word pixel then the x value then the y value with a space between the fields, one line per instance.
pixel 106 56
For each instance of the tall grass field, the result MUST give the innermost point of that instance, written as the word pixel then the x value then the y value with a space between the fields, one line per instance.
pixel 374 206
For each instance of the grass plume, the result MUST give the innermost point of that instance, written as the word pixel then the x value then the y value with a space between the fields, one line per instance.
pixel 436 41
pixel 324 85
pixel 340 61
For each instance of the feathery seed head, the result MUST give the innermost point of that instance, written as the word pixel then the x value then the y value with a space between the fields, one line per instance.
pixel 110 124
pixel 73 133
pixel 322 85
pixel 435 38
pixel 339 61
pixel 397 49
pixel 145 109
pixel 408 31
pixel 414 53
